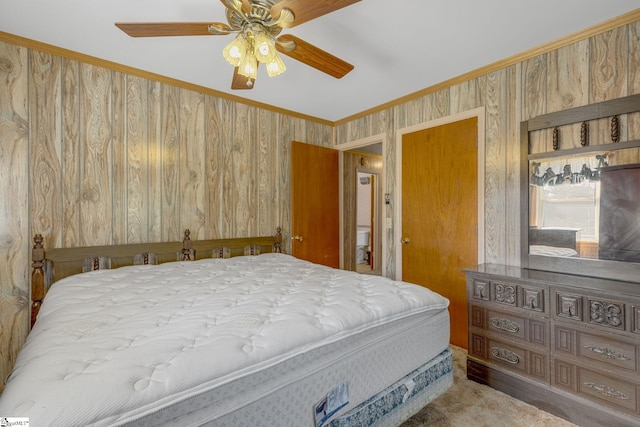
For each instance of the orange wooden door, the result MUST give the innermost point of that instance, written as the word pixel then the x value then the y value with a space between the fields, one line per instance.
pixel 440 214
pixel 315 204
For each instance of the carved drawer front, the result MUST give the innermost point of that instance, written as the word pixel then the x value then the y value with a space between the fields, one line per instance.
pixel 564 375
pixel 507 355
pixel 606 313
pixel 635 319
pixel 478 346
pixel 564 340
pixel 532 298
pixel 505 293
pixel 610 352
pixel 478 316
pixel 607 390
pixel 480 289
pixel 569 306
pixel 508 325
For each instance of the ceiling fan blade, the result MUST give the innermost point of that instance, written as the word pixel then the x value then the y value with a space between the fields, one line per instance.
pixel 161 29
pixel 313 56
pixel 305 10
pixel 241 82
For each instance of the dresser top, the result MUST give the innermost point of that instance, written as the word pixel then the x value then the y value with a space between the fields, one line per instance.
pixel 551 278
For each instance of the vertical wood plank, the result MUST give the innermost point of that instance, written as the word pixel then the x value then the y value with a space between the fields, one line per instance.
pixel 44 134
pixel 241 173
pixel 96 168
pixel 14 183
pixel 512 198
pixel 154 186
pixel 228 195
pixel 214 160
pixel 192 165
pixel 534 96
pixel 172 228
pixel 70 159
pixel 608 77
pixel 136 157
pixel 495 167
pixel 119 150
pixel 266 172
pixel 284 177
pixel 634 77
pixel 568 87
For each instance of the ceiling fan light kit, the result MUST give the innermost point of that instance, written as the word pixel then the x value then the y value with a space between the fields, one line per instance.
pixel 257 24
pixel 251 47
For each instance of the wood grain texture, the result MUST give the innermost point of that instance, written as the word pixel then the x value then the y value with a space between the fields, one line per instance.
pixel 513 96
pixel 44 135
pixel 567 86
pixel 96 182
pixel 90 125
pixel 69 226
pixel 633 122
pixel 14 230
pixel 495 183
pixel 191 171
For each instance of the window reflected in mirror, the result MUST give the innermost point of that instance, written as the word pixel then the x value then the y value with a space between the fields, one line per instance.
pixel 586 205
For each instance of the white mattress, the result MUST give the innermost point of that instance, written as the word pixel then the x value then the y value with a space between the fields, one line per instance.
pixel 202 340
pixel 552 251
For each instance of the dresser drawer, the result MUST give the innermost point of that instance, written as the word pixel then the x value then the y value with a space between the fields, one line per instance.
pixel 613 353
pixel 604 389
pixel 520 296
pixel 530 330
pixel 509 356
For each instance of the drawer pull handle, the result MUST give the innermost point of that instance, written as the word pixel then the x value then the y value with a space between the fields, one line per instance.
pixel 607 391
pixel 505 325
pixel 607 352
pixel 505 355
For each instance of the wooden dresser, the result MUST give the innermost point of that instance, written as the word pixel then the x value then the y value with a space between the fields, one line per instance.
pixel 567 344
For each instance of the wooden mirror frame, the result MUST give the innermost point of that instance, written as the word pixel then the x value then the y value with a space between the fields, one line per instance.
pixel 617 270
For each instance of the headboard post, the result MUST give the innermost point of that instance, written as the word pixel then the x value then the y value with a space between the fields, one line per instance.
pixel 277 245
pixel 187 245
pixel 37 277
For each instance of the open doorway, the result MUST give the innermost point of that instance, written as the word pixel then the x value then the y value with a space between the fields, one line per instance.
pixel 362 175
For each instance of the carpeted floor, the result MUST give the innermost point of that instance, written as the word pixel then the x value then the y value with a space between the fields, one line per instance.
pixel 468 403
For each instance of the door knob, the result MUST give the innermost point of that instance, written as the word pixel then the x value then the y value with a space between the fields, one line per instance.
pixel 298 238
pixel 405 241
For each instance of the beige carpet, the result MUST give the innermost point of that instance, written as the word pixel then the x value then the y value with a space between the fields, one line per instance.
pixel 468 403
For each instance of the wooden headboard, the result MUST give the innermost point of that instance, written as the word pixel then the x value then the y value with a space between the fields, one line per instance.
pixel 557 237
pixel 58 263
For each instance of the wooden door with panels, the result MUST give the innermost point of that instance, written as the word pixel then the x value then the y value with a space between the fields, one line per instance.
pixel 315 216
pixel 440 213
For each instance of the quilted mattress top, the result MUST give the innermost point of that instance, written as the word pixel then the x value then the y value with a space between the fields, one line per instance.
pixel 113 345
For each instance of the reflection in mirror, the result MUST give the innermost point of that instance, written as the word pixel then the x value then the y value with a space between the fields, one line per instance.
pixel 367 257
pixel 586 206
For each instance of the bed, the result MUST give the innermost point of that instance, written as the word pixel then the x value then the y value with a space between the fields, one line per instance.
pixel 259 338
pixel 553 241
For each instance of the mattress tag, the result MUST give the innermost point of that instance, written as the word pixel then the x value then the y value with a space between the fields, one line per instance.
pixel 410 385
pixel 336 399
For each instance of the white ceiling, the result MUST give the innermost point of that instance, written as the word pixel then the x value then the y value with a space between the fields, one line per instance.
pixel 397 47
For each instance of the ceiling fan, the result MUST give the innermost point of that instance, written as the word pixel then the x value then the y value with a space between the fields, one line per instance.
pixel 258 24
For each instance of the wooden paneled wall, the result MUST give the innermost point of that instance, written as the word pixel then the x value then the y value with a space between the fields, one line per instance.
pixel 602 67
pixel 92 156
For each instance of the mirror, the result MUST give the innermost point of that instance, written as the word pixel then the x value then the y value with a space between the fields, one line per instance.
pixel 586 206
pixel 580 195
pixel 368 260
